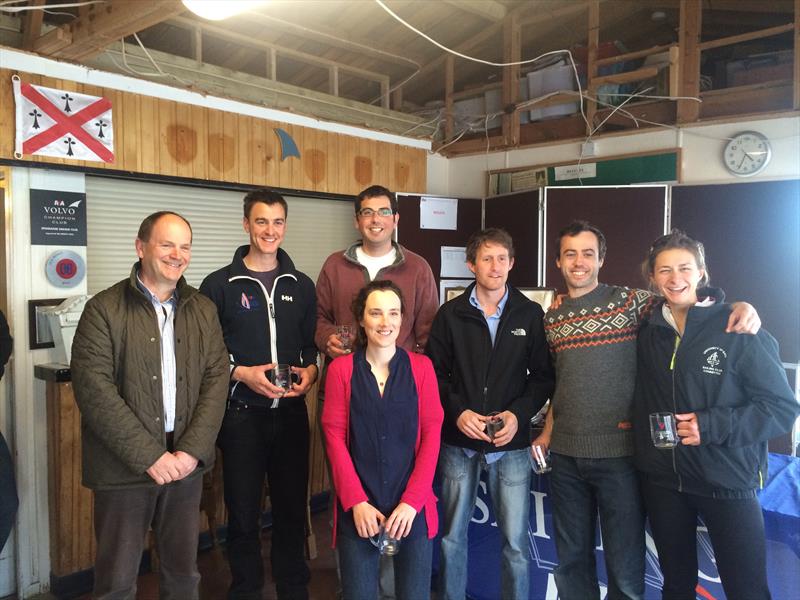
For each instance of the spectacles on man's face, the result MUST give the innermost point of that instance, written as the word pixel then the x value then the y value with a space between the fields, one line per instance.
pixel 369 212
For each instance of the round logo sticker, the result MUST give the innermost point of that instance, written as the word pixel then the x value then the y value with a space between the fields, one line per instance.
pixel 65 269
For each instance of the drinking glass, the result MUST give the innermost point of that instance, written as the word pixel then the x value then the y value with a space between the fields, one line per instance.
pixel 345 333
pixel 282 376
pixel 386 544
pixel 494 424
pixel 663 430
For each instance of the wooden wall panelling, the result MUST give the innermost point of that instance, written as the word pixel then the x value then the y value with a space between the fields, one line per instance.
pixel 7 119
pixel 296 164
pixel 258 154
pixel 185 140
pixel 162 137
pixel 168 138
pixel 244 148
pixel 131 146
pixel 307 159
pixel 215 145
pixel 199 121
pixel 230 123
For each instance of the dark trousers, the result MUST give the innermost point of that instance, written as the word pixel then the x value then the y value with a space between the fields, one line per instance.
pixel 736 529
pixel 8 493
pixel 121 521
pixel 274 442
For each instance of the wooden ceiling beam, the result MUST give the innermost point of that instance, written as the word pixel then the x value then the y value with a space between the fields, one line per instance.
pixel 485 9
pixel 103 25
pixel 32 24
pixel 304 57
pixel 399 56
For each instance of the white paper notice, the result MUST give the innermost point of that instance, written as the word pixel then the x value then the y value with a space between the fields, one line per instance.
pixel 454 263
pixel 568 172
pixel 438 213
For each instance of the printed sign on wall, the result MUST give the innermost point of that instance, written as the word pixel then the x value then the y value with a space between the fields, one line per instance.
pixel 58 218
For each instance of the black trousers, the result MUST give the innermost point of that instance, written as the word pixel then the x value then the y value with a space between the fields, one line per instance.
pixel 259 442
pixel 736 529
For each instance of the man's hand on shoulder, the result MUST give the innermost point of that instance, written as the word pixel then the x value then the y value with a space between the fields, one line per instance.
pixel 473 425
pixel 743 319
pixel 166 469
pixel 307 375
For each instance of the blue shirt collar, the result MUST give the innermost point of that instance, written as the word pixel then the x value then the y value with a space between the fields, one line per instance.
pixel 173 299
pixel 473 299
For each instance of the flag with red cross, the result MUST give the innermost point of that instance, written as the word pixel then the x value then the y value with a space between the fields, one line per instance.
pixel 52 122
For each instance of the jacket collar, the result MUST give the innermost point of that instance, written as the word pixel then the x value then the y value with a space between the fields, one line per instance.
pixel 657 316
pixel 464 307
pixel 399 259
pixel 183 290
pixel 238 268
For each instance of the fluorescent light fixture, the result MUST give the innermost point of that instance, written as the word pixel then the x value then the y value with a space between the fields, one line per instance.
pixel 216 10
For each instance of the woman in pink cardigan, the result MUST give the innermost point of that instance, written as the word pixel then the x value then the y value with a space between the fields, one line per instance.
pixel 382 421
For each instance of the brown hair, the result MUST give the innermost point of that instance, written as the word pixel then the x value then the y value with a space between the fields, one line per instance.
pixel 265 195
pixel 676 239
pixel 492 235
pixel 376 191
pixel 577 227
pixel 360 304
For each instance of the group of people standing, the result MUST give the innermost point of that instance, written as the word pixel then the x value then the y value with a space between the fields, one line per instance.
pixel 163 373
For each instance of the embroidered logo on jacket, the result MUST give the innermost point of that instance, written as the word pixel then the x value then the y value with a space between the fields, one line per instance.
pixel 715 360
pixel 249 302
pixel 518 332
pixel 286 298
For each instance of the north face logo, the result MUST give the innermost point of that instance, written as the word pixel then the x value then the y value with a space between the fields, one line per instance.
pixel 518 332
pixel 286 298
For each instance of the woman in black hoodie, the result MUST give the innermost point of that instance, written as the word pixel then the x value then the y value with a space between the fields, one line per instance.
pixel 729 396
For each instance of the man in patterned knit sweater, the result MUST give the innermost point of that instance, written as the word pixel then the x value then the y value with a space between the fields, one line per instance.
pixel 592 335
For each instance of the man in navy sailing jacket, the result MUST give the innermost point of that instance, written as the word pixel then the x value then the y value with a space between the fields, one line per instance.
pixel 267 309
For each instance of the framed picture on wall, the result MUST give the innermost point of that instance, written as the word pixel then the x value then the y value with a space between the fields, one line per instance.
pixel 453 292
pixel 39 332
pixel 541 295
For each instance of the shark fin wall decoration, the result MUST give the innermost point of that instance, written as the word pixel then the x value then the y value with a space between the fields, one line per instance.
pixel 288 146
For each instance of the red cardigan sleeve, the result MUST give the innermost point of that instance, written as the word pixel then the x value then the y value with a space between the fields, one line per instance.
pixel 419 488
pixel 335 426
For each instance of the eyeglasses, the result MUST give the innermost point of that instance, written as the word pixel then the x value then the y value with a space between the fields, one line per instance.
pixel 369 212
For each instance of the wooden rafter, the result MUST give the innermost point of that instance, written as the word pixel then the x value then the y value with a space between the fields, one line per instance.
pixel 689 44
pixel 32 24
pixel 485 9
pixel 103 25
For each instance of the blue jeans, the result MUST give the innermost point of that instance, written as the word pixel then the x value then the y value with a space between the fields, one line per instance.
pixel 360 564
pixel 578 488
pixel 509 483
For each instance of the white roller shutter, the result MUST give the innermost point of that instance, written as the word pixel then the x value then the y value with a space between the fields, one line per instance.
pixel 115 207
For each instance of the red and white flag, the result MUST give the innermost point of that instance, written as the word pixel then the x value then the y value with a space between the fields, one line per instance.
pixel 62 124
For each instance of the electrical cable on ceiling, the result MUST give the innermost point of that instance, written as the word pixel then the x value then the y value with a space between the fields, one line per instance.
pixel 6 6
pixel 400 20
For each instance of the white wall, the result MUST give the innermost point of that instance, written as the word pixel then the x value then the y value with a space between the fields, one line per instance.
pixel 26 281
pixel 701 151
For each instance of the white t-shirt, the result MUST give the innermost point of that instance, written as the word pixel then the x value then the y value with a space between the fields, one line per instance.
pixel 373 264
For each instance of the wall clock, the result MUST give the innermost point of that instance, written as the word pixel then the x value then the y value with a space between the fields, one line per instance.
pixel 747 153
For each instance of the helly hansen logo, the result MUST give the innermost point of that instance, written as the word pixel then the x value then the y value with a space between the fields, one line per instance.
pixel 286 298
pixel 519 331
pixel 715 360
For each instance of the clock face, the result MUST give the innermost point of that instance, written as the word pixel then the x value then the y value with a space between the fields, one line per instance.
pixel 747 153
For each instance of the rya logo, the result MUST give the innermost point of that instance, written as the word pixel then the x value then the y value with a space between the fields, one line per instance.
pixel 286 298
pixel 715 360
